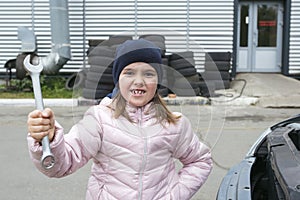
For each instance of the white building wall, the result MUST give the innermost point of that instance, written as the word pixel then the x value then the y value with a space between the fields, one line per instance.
pixel 211 26
pixel 294 59
pixel 196 25
pixel 12 14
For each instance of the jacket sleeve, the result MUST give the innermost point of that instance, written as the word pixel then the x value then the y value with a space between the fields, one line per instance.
pixel 196 159
pixel 73 150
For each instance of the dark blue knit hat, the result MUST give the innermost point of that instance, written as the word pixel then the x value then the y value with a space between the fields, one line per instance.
pixel 140 50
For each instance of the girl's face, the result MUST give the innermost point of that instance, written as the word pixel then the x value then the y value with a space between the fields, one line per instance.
pixel 138 83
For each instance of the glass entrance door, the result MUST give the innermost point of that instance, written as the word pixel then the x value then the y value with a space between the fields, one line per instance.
pixel 260 36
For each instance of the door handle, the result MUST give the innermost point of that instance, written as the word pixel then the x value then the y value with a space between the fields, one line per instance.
pixel 255 38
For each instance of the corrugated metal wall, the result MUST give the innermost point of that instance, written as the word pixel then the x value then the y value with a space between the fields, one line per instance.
pixel 196 25
pixel 294 59
pixel 12 16
pixel 211 26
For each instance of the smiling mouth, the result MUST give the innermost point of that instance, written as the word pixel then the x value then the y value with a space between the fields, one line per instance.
pixel 138 92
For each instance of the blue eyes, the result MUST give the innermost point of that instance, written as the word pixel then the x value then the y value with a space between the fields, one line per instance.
pixel 149 74
pixel 128 73
pixel 146 74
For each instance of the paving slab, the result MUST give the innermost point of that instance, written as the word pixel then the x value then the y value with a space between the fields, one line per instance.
pixel 247 89
pixel 271 89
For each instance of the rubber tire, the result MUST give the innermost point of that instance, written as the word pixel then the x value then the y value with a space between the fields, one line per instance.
pixel 163 92
pixel 98 77
pixel 217 66
pixel 94 94
pixel 193 78
pixel 222 84
pixel 186 93
pixel 94 43
pixel 118 39
pixel 218 56
pixel 189 85
pixel 20 69
pixel 153 37
pixel 187 71
pixel 100 60
pixel 182 63
pixel 76 80
pixel 157 40
pixel 183 83
pixel 165 61
pixel 207 88
pixel 99 86
pixel 180 55
pixel 101 69
pixel 215 75
pixel 161 46
pixel 103 51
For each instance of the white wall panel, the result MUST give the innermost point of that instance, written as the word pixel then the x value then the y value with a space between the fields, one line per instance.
pixel 195 25
pixel 294 57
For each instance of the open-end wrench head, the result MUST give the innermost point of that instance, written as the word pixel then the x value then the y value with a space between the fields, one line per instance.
pixel 32 68
pixel 47 161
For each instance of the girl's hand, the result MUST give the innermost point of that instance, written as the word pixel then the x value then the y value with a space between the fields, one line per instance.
pixel 40 124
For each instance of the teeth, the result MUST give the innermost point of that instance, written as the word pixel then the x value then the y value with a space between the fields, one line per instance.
pixel 138 92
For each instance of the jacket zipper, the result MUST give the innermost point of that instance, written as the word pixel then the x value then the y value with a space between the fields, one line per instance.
pixel 145 139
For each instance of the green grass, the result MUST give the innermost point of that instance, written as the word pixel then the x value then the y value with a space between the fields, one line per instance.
pixel 15 95
pixel 52 87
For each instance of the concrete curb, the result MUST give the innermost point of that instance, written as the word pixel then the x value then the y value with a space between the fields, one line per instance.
pixel 240 101
pixel 31 102
pixel 280 101
pixel 88 102
pixel 198 100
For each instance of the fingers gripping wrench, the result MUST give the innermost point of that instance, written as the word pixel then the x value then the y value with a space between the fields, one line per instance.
pixel 47 159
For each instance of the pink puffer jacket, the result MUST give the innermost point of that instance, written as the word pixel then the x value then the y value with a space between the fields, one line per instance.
pixel 131 160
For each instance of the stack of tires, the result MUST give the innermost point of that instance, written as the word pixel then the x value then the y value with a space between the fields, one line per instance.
pixel 216 75
pixel 99 81
pixel 159 41
pixel 218 62
pixel 183 79
pixel 163 89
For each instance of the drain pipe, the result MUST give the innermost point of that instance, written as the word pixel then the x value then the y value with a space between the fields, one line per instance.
pixel 27 38
pixel 61 48
pixel 60 39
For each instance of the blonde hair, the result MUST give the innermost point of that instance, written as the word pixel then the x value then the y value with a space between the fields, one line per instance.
pixel 162 113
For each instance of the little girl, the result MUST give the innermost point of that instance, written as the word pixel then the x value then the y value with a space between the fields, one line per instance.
pixel 132 137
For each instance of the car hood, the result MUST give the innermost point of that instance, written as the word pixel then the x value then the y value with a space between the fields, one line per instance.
pixel 236 185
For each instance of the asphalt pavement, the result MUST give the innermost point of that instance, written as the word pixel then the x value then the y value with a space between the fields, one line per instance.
pixel 228 130
pixel 228 125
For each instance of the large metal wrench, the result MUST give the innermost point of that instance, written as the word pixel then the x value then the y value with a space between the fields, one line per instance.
pixel 47 160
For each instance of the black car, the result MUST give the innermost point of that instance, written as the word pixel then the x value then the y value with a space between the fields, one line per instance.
pixel 270 170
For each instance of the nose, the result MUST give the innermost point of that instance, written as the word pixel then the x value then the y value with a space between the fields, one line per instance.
pixel 138 80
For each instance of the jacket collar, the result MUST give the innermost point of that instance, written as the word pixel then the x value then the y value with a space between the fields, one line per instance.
pixel 138 115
